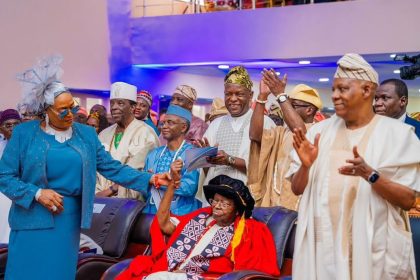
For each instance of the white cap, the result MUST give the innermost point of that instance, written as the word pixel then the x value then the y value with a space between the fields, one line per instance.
pixel 121 90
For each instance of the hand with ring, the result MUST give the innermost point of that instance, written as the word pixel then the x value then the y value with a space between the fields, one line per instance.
pixel 358 166
pixel 51 200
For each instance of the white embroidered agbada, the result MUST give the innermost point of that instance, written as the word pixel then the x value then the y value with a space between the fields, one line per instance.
pixel 372 238
pixel 137 141
pixel 232 136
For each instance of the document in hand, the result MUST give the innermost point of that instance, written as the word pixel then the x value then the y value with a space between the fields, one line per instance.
pixel 197 157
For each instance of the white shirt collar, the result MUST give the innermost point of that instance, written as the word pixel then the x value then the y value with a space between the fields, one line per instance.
pixel 60 136
pixel 402 118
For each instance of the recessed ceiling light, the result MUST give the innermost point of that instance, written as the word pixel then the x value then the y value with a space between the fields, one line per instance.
pixel 397 71
pixel 392 55
pixel 223 66
pixel 323 80
pixel 304 62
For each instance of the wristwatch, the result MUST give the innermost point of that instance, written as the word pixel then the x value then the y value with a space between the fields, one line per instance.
pixel 373 177
pixel 282 98
pixel 113 190
pixel 231 161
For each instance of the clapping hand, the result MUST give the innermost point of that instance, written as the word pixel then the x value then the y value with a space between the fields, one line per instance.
pixel 358 167
pixel 274 83
pixel 306 151
pixel 51 200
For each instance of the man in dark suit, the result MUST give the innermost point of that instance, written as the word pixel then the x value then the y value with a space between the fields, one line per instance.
pixel 391 100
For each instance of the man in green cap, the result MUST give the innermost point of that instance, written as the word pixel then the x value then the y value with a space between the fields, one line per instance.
pixel 231 132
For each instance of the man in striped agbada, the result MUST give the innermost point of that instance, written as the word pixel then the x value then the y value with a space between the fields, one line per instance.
pixel 357 173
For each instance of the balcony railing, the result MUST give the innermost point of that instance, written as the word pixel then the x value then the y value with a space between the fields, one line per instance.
pixel 144 8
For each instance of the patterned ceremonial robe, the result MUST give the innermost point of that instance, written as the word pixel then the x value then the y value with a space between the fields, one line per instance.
pixel 180 254
pixel 256 250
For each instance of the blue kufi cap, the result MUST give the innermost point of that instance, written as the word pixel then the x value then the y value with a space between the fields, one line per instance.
pixel 180 112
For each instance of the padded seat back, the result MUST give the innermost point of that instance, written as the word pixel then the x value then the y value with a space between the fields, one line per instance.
pixel 280 221
pixel 112 223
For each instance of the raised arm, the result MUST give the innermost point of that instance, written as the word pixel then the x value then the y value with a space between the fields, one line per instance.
pixel 257 120
pixel 277 87
pixel 163 214
pixel 307 153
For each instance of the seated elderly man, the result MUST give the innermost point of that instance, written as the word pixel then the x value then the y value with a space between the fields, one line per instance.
pixel 174 128
pixel 217 239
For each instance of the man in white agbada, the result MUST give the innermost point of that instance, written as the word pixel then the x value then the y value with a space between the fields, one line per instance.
pixel 128 140
pixel 357 178
pixel 231 132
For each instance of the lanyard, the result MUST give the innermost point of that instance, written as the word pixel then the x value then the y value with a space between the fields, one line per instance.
pixel 176 153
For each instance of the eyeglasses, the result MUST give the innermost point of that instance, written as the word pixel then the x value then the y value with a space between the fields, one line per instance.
pixel 223 204
pixel 30 115
pixel 299 106
pixel 62 113
pixel 10 124
pixel 169 123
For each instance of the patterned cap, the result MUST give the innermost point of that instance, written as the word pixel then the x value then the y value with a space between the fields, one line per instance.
pixel 146 96
pixel 239 75
pixel 354 66
pixel 187 91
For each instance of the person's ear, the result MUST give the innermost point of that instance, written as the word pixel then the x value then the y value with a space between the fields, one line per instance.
pixel 133 107
pixel 403 101
pixel 368 89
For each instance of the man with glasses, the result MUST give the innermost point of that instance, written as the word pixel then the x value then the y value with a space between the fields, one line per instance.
pixel 174 128
pixel 270 149
pixel 391 100
pixel 128 140
pixel 8 120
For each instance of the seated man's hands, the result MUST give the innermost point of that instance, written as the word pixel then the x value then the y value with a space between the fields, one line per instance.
pixel 176 168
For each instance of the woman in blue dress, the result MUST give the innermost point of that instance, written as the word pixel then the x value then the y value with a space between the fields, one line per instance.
pixel 48 170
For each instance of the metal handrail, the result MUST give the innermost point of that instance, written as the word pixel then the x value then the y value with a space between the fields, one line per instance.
pixel 194 6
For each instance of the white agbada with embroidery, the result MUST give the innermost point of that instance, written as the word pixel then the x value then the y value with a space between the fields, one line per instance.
pixel 239 125
pixel 357 234
pixel 137 141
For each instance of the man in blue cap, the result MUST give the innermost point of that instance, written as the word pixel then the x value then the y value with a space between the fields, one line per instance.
pixel 174 128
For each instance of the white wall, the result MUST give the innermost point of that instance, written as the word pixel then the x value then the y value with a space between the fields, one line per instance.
pixel 77 29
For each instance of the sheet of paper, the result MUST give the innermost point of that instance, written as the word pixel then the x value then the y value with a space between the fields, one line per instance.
pixel 197 158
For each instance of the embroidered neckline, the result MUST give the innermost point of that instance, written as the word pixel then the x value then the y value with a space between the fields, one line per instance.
pixel 60 136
